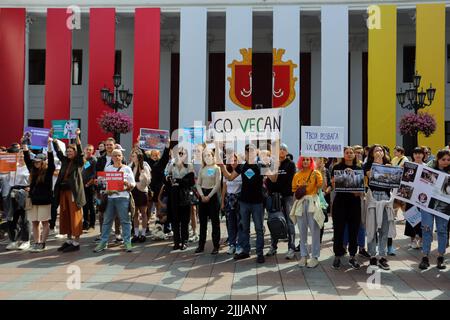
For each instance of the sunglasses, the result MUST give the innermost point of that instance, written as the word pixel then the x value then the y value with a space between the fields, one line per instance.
pixel 181 153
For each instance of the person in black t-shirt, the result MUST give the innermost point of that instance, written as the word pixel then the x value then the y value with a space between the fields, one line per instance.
pixel 282 183
pixel 346 210
pixel 250 203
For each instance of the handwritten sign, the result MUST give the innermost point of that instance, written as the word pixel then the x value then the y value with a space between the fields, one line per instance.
pixel 319 141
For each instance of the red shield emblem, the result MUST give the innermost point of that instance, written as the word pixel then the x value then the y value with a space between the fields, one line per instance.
pixel 283 91
pixel 241 80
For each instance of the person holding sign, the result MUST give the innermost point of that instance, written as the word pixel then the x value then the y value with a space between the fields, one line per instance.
pixel 306 211
pixel 142 176
pixel 380 212
pixel 41 194
pixel 442 163
pixel 346 210
pixel 118 204
pixel 208 187
pixel 69 192
pixel 19 182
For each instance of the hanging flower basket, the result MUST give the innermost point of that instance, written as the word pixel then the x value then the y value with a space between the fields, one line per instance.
pixel 115 122
pixel 411 124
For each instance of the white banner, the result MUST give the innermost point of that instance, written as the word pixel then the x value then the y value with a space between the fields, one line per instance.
pixel 247 125
pixel 425 188
pixel 322 142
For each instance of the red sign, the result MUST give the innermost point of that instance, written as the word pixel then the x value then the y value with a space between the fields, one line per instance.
pixel 110 181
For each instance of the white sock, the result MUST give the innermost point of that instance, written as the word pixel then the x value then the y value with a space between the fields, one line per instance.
pixel 136 232
pixel 74 243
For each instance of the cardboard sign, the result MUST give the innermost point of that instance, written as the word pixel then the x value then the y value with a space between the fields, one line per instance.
pixel 322 141
pixel 153 139
pixel 110 181
pixel 349 180
pixel 35 138
pixel 425 188
pixel 413 216
pixel 385 176
pixel 8 163
pixel 64 129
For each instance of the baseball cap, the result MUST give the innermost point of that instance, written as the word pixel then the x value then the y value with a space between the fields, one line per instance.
pixel 40 157
pixel 284 147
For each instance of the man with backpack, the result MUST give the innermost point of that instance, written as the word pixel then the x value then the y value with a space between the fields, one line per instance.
pixel 281 199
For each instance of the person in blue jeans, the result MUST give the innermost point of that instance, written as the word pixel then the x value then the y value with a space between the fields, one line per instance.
pixel 118 204
pixel 250 203
pixel 442 163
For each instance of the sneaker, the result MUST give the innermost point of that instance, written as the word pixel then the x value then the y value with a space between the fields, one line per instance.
pixel 272 251
pixel 313 263
pixel 85 226
pixel 363 253
pixel 134 239
pixel 215 251
pixel 64 246
pixel 354 263
pixel 98 238
pixel 119 239
pixel 260 259
pixel 176 247
pixel 241 256
pixel 391 251
pixel 424 264
pixel 199 250
pixel 100 247
pixel 337 263
pixel 24 245
pixel 413 245
pixel 142 238
pixel 373 262
pixel 297 248
pixel 302 263
pixel 128 247
pixel 194 238
pixel 440 263
pixel 37 247
pixel 72 248
pixel 419 244
pixel 52 232
pixel 290 254
pixel 382 263
pixel 231 250
pixel 183 247
pixel 12 246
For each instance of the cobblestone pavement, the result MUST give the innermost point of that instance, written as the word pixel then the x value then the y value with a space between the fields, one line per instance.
pixel 153 271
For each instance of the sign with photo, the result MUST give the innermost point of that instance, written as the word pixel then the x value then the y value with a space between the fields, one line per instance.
pixel 194 135
pixel 385 176
pixel 64 129
pixel 413 216
pixel 349 180
pixel 110 181
pixel 425 188
pixel 322 141
pixel 35 138
pixel 153 139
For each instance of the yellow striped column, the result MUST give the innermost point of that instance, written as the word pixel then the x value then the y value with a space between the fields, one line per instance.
pixel 381 120
pixel 430 62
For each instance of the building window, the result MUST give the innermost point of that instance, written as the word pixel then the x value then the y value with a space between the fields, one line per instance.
pixel 36 123
pixel 447 132
pixel 118 62
pixel 409 63
pixel 36 63
pixel 77 67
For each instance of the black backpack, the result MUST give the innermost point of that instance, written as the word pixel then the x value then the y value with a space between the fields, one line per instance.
pixel 277 221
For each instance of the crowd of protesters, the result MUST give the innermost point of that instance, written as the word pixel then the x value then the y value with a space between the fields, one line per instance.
pixel 201 184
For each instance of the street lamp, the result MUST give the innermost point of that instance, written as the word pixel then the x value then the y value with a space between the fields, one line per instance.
pixel 415 98
pixel 119 98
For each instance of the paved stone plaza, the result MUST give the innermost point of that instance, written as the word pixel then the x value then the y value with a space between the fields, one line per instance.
pixel 152 271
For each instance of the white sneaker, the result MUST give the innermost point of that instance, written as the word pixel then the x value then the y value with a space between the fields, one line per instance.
pixel 12 246
pixel 313 263
pixel 302 263
pixel 290 254
pixel 194 238
pixel 24 245
pixel 419 244
pixel 413 245
pixel 231 250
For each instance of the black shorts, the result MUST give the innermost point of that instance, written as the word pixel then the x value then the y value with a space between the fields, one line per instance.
pixel 140 198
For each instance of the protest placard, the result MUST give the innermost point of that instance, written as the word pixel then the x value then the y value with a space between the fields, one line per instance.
pixel 153 139
pixel 385 176
pixel 8 163
pixel 110 181
pixel 64 129
pixel 425 188
pixel 349 180
pixel 35 138
pixel 413 216
pixel 247 125
pixel 194 135
pixel 322 141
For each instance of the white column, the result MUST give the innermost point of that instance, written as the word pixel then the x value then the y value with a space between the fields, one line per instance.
pixel 356 114
pixel 334 73
pixel 286 35
pixel 238 35
pixel 193 59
